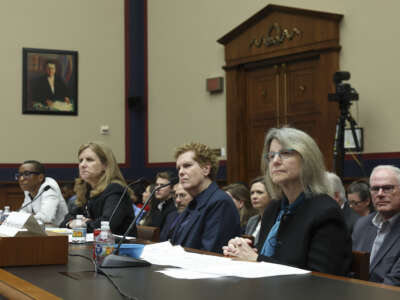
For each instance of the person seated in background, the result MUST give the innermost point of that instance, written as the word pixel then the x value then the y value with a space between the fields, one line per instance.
pixel 182 200
pixel 211 218
pixel 151 206
pixel 339 195
pixel 360 198
pixel 259 200
pixel 379 232
pixel 137 199
pixel 43 197
pixel 240 196
pixel 303 227
pixel 99 189
pixel 69 195
pixel 163 203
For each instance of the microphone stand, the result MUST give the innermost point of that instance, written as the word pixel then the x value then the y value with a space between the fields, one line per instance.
pixel 122 196
pixel 46 188
pixel 117 261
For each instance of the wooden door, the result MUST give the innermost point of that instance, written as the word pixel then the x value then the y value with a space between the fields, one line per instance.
pixel 282 94
pixel 279 68
pixel 263 88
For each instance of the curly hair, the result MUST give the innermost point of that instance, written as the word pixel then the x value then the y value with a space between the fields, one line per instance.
pixel 203 155
pixel 112 173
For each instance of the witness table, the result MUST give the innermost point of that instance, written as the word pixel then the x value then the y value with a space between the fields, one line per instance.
pixel 76 280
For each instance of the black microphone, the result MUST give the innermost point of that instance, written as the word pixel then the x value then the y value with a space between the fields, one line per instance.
pixel 116 261
pixel 46 188
pixel 122 196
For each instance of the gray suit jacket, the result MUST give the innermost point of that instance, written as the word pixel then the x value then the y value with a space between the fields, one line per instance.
pixel 251 227
pixel 385 267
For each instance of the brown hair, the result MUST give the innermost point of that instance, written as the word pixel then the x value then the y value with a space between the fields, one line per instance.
pixel 240 192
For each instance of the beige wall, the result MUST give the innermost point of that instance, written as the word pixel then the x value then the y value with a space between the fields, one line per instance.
pixel 94 28
pixel 183 52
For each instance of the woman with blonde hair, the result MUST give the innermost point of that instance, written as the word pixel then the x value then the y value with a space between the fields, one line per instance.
pixel 302 226
pixel 99 189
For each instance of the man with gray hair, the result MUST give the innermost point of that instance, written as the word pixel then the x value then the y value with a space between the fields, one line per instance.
pixel 379 232
pixel 339 195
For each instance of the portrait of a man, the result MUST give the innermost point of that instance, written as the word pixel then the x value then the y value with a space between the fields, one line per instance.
pixel 50 81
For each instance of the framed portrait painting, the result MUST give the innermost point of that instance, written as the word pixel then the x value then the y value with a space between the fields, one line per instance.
pixel 50 82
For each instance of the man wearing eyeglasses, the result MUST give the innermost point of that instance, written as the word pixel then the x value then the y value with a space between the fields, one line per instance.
pixel 43 197
pixel 379 232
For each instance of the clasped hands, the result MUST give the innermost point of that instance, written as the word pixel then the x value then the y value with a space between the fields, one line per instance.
pixel 240 248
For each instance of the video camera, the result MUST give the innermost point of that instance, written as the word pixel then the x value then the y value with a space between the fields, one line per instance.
pixel 344 91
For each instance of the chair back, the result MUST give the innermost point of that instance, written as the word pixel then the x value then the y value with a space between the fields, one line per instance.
pixel 148 233
pixel 360 265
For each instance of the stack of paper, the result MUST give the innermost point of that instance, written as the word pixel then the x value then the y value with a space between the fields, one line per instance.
pixel 193 265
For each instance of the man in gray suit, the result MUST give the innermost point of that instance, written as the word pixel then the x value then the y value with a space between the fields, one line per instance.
pixel 379 232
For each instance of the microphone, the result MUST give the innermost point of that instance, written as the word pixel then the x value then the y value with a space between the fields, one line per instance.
pixel 46 188
pixel 116 261
pixel 122 196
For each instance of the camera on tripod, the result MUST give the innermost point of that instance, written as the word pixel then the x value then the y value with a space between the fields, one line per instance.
pixel 344 91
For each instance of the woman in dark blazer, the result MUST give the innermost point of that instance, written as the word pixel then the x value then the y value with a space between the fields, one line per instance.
pixel 99 189
pixel 303 226
pixel 259 200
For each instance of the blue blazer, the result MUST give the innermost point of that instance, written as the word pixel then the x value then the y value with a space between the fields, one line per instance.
pixel 385 267
pixel 209 222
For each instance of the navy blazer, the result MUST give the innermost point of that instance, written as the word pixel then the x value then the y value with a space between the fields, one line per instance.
pixel 169 225
pixel 313 237
pixel 209 222
pixel 385 267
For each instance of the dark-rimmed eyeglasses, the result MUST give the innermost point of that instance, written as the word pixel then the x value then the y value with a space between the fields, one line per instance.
pixel 354 203
pixel 282 154
pixel 17 176
pixel 386 189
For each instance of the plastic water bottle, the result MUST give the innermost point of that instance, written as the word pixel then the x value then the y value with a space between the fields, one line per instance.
pixel 6 213
pixel 79 230
pixel 104 242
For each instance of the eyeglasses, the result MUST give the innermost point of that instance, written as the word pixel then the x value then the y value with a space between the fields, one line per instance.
pixel 386 189
pixel 25 174
pixel 179 196
pixel 355 203
pixel 282 154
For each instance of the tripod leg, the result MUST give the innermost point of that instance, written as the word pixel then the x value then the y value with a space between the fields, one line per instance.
pixel 353 124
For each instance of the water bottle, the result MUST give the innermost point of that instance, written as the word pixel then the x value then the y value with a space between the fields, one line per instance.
pixel 79 230
pixel 6 213
pixel 104 242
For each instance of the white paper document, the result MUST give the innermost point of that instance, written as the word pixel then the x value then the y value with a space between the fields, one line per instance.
pixel 213 266
pixel 186 274
pixel 20 224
